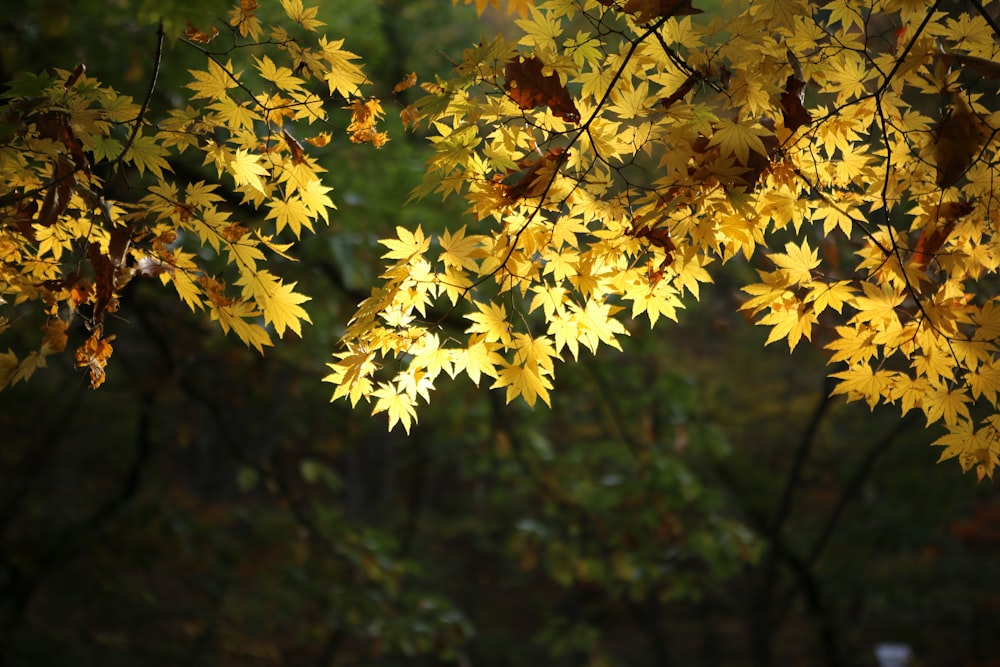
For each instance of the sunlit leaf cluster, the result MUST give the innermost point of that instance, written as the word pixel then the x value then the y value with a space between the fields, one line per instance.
pixel 97 189
pixel 617 152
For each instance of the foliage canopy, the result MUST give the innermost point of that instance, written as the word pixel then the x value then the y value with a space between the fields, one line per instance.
pixel 611 157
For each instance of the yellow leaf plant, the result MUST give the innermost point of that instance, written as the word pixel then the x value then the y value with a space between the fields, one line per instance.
pixel 89 199
pixel 619 151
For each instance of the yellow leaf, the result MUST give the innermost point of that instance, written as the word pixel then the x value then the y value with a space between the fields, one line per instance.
pixel 306 17
pixel 397 403
pixel 979 448
pixel 247 170
pixel 292 213
pixel 491 320
pixel 214 83
pixel 147 153
pixel 798 261
pixel 947 404
pixel 278 301
pixel 406 245
pixel 862 382
pixel 740 138
pixel 525 381
pixel 461 251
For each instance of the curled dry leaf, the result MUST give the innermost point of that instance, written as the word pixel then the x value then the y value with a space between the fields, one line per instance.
pixel 409 81
pixel 195 35
pixel 93 355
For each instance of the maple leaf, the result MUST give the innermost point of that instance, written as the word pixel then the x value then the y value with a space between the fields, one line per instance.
pixel 93 355
pixel 408 82
pixel 527 382
pixel 461 251
pixel 246 169
pixel 147 153
pixel 304 16
pixel 478 359
pixel 278 301
pixel 947 404
pixel 862 382
pixel 492 321
pixel 214 83
pixel 647 10
pixel 740 138
pixel 407 244
pixel 191 32
pixel 959 136
pixel 397 403
pixel 530 87
pixel 797 261
pixel 343 76
pixel 521 7
pixel 979 448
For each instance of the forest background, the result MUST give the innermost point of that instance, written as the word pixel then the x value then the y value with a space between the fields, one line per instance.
pixel 697 499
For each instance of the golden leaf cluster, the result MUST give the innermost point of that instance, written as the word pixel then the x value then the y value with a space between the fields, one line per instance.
pixel 844 150
pixel 68 246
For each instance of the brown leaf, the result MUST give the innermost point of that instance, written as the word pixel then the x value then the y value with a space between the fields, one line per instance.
pixel 960 136
pixel 409 115
pixel 983 67
pixel 55 338
pixel 195 35
pixel 937 232
pixel 151 267
pixel 74 76
pixel 681 91
pixel 24 216
pixel 60 191
pixel 298 155
pixel 80 291
pixel 105 281
pixel 527 182
pixel 121 239
pixel 647 10
pixel 410 80
pixel 530 88
pixel 55 125
pixel 793 112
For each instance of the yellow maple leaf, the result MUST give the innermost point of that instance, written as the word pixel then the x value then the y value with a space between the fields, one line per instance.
pixel 947 404
pixel 862 382
pixel 740 137
pixel 478 359
pixel 491 320
pixel 792 322
pixel 146 152
pixel 304 16
pixel 985 382
pixel 291 212
pixel 246 169
pixel 979 448
pixel 797 261
pixel 461 251
pixel 525 381
pixel 278 301
pixel 407 244
pixel 397 403
pixel 213 83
